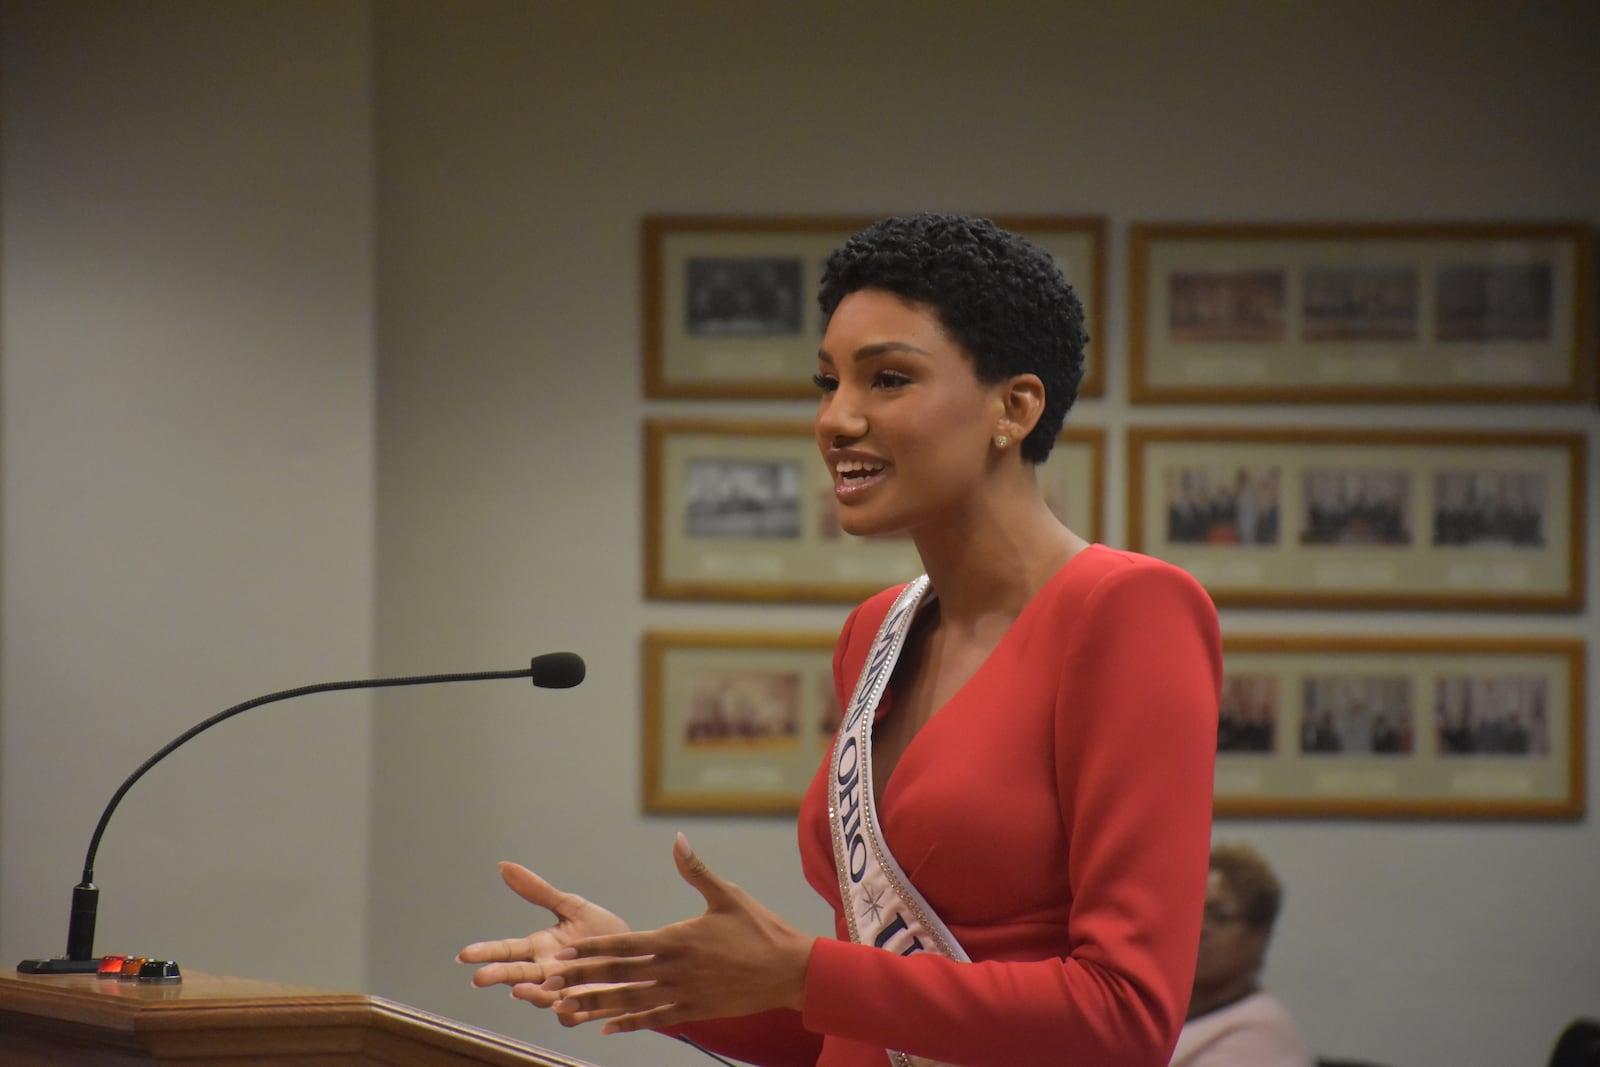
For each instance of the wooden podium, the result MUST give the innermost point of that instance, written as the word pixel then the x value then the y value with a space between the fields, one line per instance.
pixel 209 1020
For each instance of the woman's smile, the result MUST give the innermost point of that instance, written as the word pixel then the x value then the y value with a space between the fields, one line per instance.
pixel 855 473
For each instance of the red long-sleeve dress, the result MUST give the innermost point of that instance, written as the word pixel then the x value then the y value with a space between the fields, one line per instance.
pixel 1056 814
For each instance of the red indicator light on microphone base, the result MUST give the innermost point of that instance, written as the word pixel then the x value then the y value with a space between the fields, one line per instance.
pixel 160 971
pixel 111 966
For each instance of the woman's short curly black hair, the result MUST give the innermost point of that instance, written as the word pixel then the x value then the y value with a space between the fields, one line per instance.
pixel 1000 296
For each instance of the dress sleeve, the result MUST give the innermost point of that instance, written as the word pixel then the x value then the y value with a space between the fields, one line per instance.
pixel 1136 720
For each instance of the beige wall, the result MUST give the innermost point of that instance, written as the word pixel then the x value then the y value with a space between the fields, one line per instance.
pixel 188 444
pixel 517 145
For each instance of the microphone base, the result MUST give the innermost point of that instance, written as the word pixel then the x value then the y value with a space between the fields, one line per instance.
pixel 58 965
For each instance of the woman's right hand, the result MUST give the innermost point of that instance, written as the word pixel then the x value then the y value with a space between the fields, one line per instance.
pixel 524 963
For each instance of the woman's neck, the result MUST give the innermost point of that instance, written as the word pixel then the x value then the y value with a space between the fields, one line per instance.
pixel 1204 1003
pixel 998 558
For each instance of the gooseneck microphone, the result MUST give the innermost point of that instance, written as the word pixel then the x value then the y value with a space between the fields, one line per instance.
pixel 553 670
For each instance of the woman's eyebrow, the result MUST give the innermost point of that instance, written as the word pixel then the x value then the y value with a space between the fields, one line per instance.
pixel 880 348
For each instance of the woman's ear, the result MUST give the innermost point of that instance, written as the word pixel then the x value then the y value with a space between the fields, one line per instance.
pixel 1022 405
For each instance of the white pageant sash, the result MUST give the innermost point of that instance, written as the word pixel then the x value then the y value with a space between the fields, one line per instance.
pixel 881 905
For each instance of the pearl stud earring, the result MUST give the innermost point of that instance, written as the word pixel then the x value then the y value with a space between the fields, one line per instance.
pixel 1001 440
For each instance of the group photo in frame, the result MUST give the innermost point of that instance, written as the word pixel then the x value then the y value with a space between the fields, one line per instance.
pixel 735 721
pixel 729 302
pixel 1361 312
pixel 1334 518
pixel 1401 726
pixel 744 510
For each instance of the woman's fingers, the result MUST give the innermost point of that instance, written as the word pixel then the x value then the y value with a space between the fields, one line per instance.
pixel 534 993
pixel 571 1013
pixel 604 1000
pixel 509 973
pixel 649 1020
pixel 535 890
pixel 633 943
pixel 502 951
pixel 693 870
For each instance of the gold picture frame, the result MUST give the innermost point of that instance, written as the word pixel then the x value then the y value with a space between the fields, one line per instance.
pixel 729 302
pixel 1412 727
pixel 742 509
pixel 735 721
pixel 1361 313
pixel 1335 518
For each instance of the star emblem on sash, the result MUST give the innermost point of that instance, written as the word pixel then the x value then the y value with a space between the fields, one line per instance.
pixel 870 903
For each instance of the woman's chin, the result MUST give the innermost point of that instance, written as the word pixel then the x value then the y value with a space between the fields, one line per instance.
pixel 856 525
pixel 862 526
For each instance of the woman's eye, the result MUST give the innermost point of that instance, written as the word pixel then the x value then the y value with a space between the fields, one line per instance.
pixel 891 379
pixel 825 382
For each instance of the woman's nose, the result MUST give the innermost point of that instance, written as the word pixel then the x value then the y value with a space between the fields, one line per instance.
pixel 840 417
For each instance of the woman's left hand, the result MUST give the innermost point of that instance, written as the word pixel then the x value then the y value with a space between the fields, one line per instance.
pixel 738 958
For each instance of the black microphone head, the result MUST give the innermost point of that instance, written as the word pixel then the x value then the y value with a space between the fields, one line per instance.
pixel 557 670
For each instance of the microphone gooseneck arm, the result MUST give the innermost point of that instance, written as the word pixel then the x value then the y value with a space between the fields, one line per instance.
pixel 558 670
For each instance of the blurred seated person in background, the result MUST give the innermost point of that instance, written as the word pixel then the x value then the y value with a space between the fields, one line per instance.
pixel 1232 1021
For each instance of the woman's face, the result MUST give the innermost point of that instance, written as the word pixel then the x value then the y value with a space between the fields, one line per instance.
pixel 903 422
pixel 1230 947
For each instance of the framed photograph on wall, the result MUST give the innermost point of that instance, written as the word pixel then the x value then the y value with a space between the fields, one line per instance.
pixel 1401 726
pixel 735 721
pixel 743 510
pixel 730 304
pixel 1372 313
pixel 1324 518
